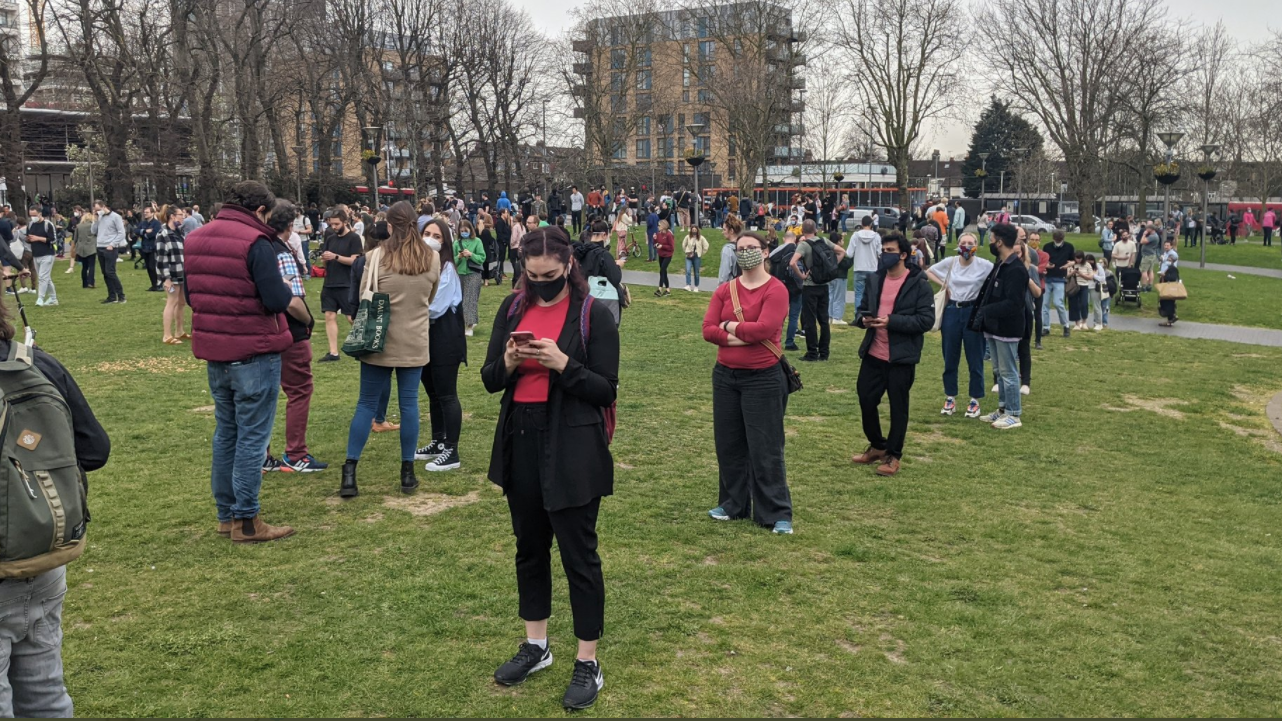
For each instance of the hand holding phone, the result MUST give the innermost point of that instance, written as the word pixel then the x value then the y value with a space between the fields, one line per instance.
pixel 522 337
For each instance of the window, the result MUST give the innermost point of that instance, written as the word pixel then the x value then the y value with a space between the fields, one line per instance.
pixel 618 103
pixel 704 97
pixel 616 35
pixel 643 148
pixel 665 147
pixel 665 124
pixel 730 151
pixel 707 49
pixel 702 144
pixel 685 96
pixel 685 53
pixel 618 59
pixel 700 119
pixel 703 28
pixel 620 152
pixel 644 78
pixel 685 77
pixel 706 74
pixel 643 124
pixel 643 102
pixel 616 82
pixel 738 46
pixel 644 58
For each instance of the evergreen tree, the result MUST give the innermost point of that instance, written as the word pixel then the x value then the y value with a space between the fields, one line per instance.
pixel 997 133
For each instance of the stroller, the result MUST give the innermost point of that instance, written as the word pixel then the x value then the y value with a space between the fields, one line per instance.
pixel 1130 286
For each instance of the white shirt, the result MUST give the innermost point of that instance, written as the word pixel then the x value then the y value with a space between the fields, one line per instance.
pixel 959 219
pixel 359 228
pixel 865 248
pixel 448 294
pixel 965 280
pixel 576 203
pixel 302 225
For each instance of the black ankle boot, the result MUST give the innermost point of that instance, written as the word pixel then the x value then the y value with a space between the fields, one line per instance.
pixel 409 481
pixel 348 487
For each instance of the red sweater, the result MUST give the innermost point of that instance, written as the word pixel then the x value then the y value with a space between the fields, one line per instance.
pixel 764 311
pixel 664 244
pixel 533 378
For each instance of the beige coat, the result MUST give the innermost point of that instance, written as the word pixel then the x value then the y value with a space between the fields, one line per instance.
pixel 410 295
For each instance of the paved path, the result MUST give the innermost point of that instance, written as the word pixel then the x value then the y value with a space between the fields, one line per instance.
pixel 1182 329
pixel 1186 264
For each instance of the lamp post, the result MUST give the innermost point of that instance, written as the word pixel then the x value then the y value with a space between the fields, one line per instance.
pixel 695 159
pixel 935 157
pixel 1019 152
pixel 837 178
pixel 1169 139
pixel 372 132
pixel 1210 151
pixel 983 180
pixel 298 155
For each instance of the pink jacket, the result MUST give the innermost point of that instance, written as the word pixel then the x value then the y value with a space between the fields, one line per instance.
pixel 518 232
pixel 1270 220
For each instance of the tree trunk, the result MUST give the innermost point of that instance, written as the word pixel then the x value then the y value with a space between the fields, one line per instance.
pixel 11 159
pixel 899 156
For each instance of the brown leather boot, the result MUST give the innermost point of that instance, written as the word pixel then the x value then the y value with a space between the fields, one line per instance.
pixel 254 530
pixel 224 529
pixel 869 456
pixel 889 468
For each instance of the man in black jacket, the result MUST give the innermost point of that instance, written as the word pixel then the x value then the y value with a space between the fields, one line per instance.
pixel 1001 314
pixel 898 308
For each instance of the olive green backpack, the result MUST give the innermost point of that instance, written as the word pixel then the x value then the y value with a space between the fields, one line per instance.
pixel 43 510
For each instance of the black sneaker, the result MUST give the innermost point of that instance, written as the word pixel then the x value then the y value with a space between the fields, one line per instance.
pixel 271 464
pixel 809 358
pixel 1066 331
pixel 586 683
pixel 429 451
pixel 1038 346
pixel 791 348
pixel 328 358
pixel 447 460
pixel 110 300
pixel 528 659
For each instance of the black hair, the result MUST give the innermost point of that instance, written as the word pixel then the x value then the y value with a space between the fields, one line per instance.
pixel 282 216
pixel 905 246
pixel 867 221
pixel 553 241
pixel 1006 233
pixel 250 195
pixel 598 227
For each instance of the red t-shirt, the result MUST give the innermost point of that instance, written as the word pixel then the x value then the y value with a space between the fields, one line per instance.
pixel 881 339
pixel 764 311
pixel 543 322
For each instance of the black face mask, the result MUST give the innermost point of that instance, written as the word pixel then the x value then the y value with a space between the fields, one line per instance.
pixel 547 289
pixel 992 248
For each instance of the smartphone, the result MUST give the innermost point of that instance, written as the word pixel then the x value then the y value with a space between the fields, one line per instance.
pixel 522 337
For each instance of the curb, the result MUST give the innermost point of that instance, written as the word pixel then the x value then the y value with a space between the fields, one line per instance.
pixel 1274 412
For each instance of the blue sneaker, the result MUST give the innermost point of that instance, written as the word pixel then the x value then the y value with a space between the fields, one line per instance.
pixel 719 514
pixel 783 527
pixel 306 464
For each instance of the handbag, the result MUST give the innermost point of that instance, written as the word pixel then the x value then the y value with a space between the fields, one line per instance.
pixel 369 327
pixel 790 374
pixel 941 300
pixel 1072 287
pixel 1172 291
pixel 475 267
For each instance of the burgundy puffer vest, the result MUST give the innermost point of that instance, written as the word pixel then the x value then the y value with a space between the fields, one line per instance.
pixel 228 320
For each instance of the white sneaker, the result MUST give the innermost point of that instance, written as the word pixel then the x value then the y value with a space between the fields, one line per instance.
pixel 468 332
pixel 1024 390
pixel 696 289
pixel 1005 422
pixel 687 289
pixel 996 388
pixel 1098 327
pixel 838 322
pixel 993 417
pixel 50 302
pixel 39 303
pixel 69 270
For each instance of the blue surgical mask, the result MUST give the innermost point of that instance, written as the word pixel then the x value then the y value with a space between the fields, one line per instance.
pixel 465 235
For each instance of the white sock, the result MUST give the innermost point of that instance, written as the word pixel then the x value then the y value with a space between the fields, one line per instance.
pixel 540 642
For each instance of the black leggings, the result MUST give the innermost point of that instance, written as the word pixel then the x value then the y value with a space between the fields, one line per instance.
pixel 87 263
pixel 441 384
pixel 663 272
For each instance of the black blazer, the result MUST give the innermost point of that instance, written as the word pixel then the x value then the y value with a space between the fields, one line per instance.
pixel 576 467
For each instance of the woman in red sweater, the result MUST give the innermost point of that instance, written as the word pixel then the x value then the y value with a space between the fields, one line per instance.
pixel 665 243
pixel 749 392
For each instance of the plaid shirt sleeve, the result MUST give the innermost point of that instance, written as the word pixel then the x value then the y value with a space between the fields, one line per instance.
pixel 289 269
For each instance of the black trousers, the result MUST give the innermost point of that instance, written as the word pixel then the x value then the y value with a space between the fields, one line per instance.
pixel 149 259
pixel 1268 236
pixel 878 378
pixel 87 263
pixel 663 272
pixel 577 220
pixel 814 310
pixel 535 527
pixel 441 384
pixel 1037 314
pixel 747 425
pixel 107 259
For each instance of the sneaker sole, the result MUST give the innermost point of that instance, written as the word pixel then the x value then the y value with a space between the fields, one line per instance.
pixel 586 704
pixel 946 412
pixel 718 518
pixel 346 494
pixel 435 468
pixel 537 667
pixel 425 456
pixel 972 415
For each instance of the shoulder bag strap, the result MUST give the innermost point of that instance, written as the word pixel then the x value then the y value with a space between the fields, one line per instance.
pixel 371 269
pixel 738 313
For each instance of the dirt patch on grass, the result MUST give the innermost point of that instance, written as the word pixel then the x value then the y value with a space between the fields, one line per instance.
pixel 429 504
pixel 934 436
pixel 1160 406
pixel 160 365
pixel 1248 355
pixel 848 647
pixel 203 409
pixel 895 654
pixel 1266 438
pixel 838 390
pixel 810 419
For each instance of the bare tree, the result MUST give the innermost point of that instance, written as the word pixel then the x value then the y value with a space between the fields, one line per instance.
pixel 828 111
pixel 1254 137
pixel 1068 62
pixel 1150 106
pixel 22 70
pixel 904 60
pixel 414 92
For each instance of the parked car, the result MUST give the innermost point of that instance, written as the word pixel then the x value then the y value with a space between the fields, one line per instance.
pixel 886 218
pixel 1032 223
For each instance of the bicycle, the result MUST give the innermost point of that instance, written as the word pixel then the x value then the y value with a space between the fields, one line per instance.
pixel 632 247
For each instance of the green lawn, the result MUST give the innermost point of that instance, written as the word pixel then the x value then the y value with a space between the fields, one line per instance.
pixel 1118 555
pixel 1247 252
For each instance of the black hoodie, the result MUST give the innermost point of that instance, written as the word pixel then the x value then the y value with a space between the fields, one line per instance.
pixel 595 260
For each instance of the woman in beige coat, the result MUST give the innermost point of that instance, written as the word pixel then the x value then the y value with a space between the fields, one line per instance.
pixel 408 271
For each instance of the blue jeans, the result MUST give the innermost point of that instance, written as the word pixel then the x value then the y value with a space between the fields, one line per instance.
pixel 794 312
pixel 374 381
pixel 1104 304
pixel 380 411
pixel 1054 296
pixel 244 396
pixel 954 336
pixel 1006 364
pixel 694 264
pixel 861 281
pixel 837 299
pixel 649 241
pixel 31 682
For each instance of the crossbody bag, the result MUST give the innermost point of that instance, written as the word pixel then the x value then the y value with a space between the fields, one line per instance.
pixel 790 374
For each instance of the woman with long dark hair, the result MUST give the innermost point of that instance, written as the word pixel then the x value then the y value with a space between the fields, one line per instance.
pixel 554 354
pixel 408 271
pixel 448 344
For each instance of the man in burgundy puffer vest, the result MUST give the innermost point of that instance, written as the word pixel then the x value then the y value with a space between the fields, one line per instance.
pixel 238 299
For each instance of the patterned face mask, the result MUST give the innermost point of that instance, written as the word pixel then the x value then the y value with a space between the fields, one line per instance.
pixel 749 258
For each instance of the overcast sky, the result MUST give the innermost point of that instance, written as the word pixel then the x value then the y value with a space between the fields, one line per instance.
pixel 1247 20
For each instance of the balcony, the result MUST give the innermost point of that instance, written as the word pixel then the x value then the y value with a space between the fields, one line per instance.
pixel 797 106
pixel 790 129
pixel 582 46
pixel 578 114
pixel 578 90
pixel 797 83
pixel 582 68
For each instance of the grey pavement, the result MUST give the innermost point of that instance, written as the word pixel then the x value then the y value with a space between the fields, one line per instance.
pixel 1182 329
pixel 1239 269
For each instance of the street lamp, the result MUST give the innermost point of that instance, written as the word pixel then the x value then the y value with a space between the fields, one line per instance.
pixel 1210 151
pixel 1019 153
pixel 372 131
pixel 983 180
pixel 935 156
pixel 298 155
pixel 1169 139
pixel 695 159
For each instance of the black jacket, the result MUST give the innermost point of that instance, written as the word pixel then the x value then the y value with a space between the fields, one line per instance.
pixel 576 466
pixel 912 316
pixel 594 259
pixel 1001 308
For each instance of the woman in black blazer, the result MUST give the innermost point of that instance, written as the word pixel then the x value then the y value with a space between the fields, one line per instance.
pixel 551 451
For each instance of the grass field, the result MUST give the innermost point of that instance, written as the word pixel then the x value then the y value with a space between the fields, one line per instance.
pixel 1118 555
